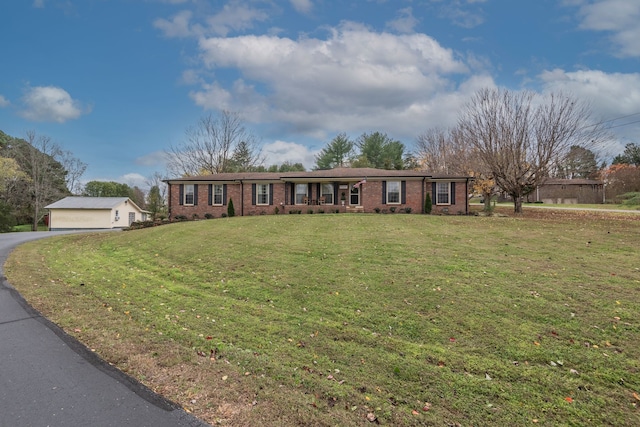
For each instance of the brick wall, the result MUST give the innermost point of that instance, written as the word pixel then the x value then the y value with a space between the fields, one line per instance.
pixel 370 199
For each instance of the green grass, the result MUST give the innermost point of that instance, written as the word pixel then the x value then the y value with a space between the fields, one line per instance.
pixel 27 227
pixel 324 319
pixel 600 206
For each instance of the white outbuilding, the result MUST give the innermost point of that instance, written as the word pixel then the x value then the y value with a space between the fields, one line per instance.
pixel 76 213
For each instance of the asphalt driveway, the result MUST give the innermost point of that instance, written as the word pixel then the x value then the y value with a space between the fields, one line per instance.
pixel 48 378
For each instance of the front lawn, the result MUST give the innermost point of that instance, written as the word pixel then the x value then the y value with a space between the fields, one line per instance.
pixel 357 319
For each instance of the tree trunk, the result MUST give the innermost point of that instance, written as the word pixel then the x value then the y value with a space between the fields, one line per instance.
pixel 487 201
pixel 517 204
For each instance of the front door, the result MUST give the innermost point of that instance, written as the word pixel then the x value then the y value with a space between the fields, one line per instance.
pixel 354 197
pixel 132 217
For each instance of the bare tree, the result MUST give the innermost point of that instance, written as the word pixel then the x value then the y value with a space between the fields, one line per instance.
pixel 210 145
pixel 39 158
pixel 157 180
pixel 444 151
pixel 75 169
pixel 519 136
pixel 440 151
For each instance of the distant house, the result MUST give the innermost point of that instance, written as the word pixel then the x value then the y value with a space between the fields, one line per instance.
pixel 334 190
pixel 569 191
pixel 75 213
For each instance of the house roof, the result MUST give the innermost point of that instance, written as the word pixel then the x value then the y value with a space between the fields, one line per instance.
pixel 557 181
pixel 328 174
pixel 77 202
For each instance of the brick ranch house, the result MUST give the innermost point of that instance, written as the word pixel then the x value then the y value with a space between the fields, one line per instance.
pixel 335 190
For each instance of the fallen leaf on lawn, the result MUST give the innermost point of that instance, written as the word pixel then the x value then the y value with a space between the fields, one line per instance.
pixel 535 420
pixel 452 339
pixel 487 377
pixel 209 337
pixel 414 412
pixel 224 377
pixel 635 395
pixel 573 371
pixel 77 330
pixel 568 399
pixel 371 417
pixel 536 343
pixel 426 406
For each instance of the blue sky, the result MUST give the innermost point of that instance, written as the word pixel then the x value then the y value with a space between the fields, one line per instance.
pixel 117 82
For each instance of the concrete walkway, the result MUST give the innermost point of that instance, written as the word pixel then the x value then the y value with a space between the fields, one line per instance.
pixel 48 378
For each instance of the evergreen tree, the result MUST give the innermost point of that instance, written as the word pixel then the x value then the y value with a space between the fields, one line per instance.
pixel 230 209
pixel 336 154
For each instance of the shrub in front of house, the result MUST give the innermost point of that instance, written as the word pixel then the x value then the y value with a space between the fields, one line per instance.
pixel 230 209
pixel 208 215
pixel 427 204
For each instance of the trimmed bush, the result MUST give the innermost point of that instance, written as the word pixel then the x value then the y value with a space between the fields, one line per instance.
pixel 427 204
pixel 230 209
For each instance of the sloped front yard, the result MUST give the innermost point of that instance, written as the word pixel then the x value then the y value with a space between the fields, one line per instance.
pixel 360 319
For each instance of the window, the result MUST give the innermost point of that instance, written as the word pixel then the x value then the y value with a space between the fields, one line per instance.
pixel 217 194
pixel 442 193
pixel 393 192
pixel 327 193
pixel 301 193
pixel 262 194
pixel 188 194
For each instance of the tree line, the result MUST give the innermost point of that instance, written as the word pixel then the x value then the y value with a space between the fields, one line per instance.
pixel 35 172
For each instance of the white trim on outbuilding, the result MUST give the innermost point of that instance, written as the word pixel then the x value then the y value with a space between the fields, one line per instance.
pixel 76 213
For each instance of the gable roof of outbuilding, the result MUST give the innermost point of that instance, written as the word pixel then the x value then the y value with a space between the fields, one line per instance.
pixel 80 202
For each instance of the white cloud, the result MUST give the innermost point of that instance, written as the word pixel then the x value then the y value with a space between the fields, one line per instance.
pixel 38 4
pixel 355 80
pixel 178 26
pixel 404 23
pixel 279 152
pixel 50 104
pixel 618 17
pixel 4 102
pixel 302 6
pixel 157 158
pixel 133 180
pixel 462 14
pixel 613 94
pixel 610 95
pixel 235 16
